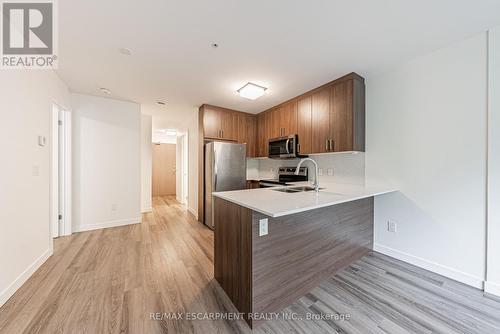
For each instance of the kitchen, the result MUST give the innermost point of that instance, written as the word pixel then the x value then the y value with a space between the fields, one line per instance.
pixel 336 168
pixel 286 194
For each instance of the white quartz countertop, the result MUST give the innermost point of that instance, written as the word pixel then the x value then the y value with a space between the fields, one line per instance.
pixel 276 204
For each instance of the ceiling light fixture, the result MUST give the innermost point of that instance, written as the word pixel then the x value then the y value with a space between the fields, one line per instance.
pixel 105 91
pixel 125 51
pixel 161 103
pixel 215 45
pixel 251 91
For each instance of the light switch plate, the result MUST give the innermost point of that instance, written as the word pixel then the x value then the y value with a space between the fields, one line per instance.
pixel 263 227
pixel 329 171
pixel 41 141
pixel 320 171
pixel 391 226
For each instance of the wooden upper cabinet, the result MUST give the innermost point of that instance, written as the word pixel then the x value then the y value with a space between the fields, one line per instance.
pixel 320 112
pixel 304 124
pixel 330 118
pixel 274 127
pixel 220 123
pixel 229 125
pixel 341 117
pixel 347 115
pixel 262 146
pixel 283 120
pixel 247 133
pixel 288 119
pixel 211 122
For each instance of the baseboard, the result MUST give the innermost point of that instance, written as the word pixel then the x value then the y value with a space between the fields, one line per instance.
pixel 25 275
pixel 108 224
pixel 193 212
pixel 146 210
pixel 437 268
pixel 492 288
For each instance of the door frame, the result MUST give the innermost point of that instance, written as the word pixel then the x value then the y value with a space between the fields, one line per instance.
pixel 59 113
pixel 183 163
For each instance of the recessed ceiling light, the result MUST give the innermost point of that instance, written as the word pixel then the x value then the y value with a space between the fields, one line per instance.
pixel 125 51
pixel 105 91
pixel 215 45
pixel 161 103
pixel 251 91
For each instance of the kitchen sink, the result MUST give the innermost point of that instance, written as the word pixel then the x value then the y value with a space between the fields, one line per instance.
pixel 296 189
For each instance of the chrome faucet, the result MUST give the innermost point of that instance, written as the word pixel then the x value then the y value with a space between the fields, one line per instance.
pixel 316 182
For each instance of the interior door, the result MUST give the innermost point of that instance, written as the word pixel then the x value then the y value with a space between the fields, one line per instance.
pixel 163 169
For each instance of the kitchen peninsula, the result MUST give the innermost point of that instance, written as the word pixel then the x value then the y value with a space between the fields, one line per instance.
pixel 274 246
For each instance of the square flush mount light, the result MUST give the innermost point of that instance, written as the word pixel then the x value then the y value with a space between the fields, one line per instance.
pixel 251 91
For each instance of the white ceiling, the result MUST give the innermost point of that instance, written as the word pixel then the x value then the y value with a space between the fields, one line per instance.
pixel 287 45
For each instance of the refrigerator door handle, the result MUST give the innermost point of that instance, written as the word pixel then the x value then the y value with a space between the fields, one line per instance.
pixel 214 188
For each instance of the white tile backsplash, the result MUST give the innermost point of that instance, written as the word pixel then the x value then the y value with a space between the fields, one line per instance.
pixel 336 167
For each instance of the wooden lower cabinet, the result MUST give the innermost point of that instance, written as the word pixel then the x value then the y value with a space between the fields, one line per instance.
pixel 260 277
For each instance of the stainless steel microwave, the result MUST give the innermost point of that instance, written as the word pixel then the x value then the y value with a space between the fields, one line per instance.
pixel 284 147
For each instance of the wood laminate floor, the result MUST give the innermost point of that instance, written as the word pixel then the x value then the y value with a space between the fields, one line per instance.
pixel 112 280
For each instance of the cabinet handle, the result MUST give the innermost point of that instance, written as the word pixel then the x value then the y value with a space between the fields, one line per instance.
pixel 332 145
pixel 327 145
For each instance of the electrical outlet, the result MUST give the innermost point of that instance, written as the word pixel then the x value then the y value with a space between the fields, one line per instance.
pixel 329 171
pixel 391 226
pixel 263 227
pixel 320 171
pixel 113 207
pixel 273 170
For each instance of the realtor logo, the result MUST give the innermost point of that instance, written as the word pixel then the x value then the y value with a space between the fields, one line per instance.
pixel 28 32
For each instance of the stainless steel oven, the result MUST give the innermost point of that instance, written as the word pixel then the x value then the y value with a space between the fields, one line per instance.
pixel 284 147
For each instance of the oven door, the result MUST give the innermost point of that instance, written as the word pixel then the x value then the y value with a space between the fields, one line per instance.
pixel 283 147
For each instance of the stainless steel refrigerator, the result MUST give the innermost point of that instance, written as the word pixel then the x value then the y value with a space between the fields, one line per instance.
pixel 225 169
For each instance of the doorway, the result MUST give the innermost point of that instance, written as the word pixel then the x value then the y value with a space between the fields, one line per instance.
pixel 164 169
pixel 60 178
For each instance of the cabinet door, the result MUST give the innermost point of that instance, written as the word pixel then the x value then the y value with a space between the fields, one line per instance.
pixel 229 125
pixel 341 116
pixel 247 133
pixel 304 119
pixel 288 119
pixel 211 122
pixel 261 135
pixel 321 120
pixel 270 131
pixel 275 126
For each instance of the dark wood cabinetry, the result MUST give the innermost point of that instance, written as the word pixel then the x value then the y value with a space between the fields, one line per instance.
pixel 220 123
pixel 247 133
pixel 320 120
pixel 261 135
pixel 330 118
pixel 304 124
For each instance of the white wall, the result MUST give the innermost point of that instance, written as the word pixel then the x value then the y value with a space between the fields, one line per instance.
pixel 493 252
pixel 146 163
pixel 426 133
pixel 107 162
pixel 25 236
